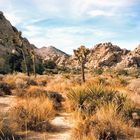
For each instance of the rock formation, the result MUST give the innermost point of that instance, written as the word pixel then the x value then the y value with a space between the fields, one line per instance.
pixel 132 59
pixel 106 55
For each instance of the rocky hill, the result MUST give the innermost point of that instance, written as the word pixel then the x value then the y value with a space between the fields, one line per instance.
pixel 102 55
pixel 106 55
pixel 52 53
pixel 10 37
pixel 11 41
pixel 132 59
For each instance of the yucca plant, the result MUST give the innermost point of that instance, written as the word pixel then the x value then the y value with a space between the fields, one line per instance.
pixel 78 97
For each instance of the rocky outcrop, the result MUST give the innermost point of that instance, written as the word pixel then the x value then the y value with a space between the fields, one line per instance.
pixel 106 55
pixel 11 41
pixel 132 59
pixel 52 53
pixel 11 38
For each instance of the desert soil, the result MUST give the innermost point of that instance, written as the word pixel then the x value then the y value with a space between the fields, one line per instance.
pixel 62 122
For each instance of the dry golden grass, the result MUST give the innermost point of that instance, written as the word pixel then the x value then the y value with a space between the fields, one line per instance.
pixel 106 122
pixel 107 102
pixel 32 114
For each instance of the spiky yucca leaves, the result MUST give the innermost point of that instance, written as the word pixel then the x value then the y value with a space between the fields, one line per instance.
pixel 87 99
pixel 78 97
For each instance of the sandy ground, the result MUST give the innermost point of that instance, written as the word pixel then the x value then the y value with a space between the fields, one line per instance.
pixel 6 103
pixel 62 122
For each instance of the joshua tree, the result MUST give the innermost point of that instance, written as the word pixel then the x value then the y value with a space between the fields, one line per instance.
pixel 19 42
pixel 81 54
pixel 32 53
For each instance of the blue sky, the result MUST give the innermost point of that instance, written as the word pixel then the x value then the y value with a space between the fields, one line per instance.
pixel 67 24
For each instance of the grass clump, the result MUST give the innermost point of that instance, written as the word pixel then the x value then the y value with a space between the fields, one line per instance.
pixel 33 114
pixel 105 124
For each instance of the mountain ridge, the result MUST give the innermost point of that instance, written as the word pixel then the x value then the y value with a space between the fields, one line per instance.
pixel 101 55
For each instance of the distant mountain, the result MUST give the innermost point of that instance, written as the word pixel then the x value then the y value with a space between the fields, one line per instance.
pixel 52 53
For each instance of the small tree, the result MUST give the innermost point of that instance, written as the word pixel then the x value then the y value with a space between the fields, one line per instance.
pixel 81 54
pixel 18 43
pixel 32 53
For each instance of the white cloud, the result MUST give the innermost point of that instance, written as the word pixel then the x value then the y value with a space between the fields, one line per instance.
pixel 95 13
pixel 78 8
pixel 65 38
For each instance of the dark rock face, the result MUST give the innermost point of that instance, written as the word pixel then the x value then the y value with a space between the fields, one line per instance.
pixel 11 39
pixel 9 33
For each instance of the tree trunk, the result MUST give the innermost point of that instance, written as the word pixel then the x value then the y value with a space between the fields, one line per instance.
pixel 83 72
pixel 34 69
pixel 26 67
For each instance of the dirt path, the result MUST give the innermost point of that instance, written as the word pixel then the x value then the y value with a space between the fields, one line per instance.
pixel 62 131
pixel 62 123
pixel 6 102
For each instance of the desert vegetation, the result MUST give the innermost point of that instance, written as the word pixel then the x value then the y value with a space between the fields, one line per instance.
pixel 103 107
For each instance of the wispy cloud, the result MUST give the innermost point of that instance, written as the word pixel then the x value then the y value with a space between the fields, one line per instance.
pixel 67 24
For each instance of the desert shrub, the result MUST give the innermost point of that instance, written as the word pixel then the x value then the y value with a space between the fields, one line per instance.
pixel 57 99
pixel 20 86
pixel 5 89
pixel 87 99
pixel 105 124
pixel 78 97
pixel 134 85
pixel 36 91
pixel 31 82
pixel 98 71
pixel 20 83
pixel 33 114
pixel 134 72
pixel 31 91
pixel 10 79
pixel 123 81
pixel 6 133
pixel 122 72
